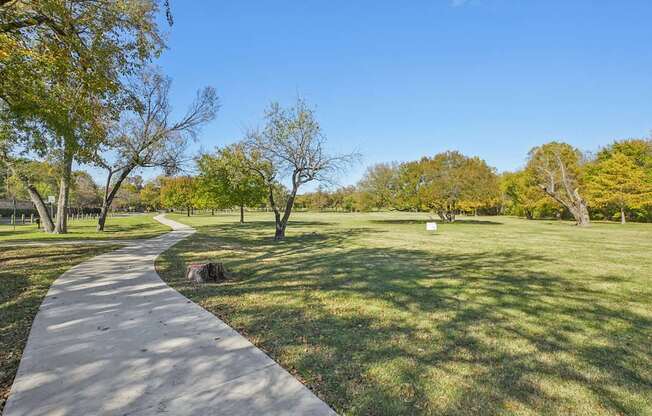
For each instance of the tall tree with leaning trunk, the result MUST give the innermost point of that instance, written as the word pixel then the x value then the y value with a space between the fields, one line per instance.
pixel 557 169
pixel 291 145
pixel 146 137
pixel 19 171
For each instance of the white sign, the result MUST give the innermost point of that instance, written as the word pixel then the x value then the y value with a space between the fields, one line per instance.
pixel 431 226
pixel 50 199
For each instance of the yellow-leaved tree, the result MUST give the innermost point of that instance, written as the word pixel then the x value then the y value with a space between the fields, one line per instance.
pixel 618 182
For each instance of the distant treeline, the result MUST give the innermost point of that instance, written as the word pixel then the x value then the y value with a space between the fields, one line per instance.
pixel 558 181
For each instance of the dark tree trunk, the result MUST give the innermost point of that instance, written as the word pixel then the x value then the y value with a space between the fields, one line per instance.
pixel 241 214
pixel 188 211
pixel 282 223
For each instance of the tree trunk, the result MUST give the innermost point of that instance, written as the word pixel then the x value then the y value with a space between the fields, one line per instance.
pixel 622 215
pixel 212 211
pixel 241 214
pixel 282 223
pixel 280 231
pixel 61 224
pixel 35 196
pixel 109 194
pixel 582 216
pixel 43 212
pixel 188 211
pixel 575 204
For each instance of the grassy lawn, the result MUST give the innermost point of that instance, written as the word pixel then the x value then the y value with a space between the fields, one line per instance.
pixel 490 315
pixel 117 228
pixel 26 274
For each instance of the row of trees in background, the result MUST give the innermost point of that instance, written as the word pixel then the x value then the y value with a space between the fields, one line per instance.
pixel 558 181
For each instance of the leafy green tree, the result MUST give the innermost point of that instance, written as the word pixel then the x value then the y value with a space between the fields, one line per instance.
pixel 150 195
pixel 522 197
pixel 557 169
pixel 410 179
pixel 379 185
pixel 620 182
pixel 228 181
pixel 451 181
pixel 178 192
pixel 480 188
pixel 61 68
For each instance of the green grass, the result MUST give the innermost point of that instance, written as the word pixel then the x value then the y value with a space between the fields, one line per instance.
pixel 117 228
pixel 26 274
pixel 490 315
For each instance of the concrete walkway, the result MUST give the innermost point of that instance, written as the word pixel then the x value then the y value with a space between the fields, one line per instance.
pixel 111 338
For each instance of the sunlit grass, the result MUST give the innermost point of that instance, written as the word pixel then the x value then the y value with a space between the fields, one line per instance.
pixel 490 315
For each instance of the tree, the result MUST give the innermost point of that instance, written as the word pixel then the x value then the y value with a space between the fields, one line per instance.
pixel 85 193
pixel 178 192
pixel 410 179
pixel 150 195
pixel 146 136
pixel 618 181
pixel 227 180
pixel 557 169
pixel 522 197
pixel 480 187
pixel 291 143
pixel 61 69
pixel 379 184
pixel 15 132
pixel 30 175
pixel 451 181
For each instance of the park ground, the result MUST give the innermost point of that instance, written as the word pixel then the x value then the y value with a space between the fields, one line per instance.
pixel 489 315
pixel 26 273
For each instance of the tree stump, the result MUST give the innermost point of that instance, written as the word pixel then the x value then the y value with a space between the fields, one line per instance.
pixel 206 272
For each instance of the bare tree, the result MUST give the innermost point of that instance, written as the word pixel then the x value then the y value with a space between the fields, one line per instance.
pixel 556 167
pixel 291 145
pixel 146 138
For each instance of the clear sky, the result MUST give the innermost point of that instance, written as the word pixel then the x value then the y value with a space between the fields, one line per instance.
pixel 397 80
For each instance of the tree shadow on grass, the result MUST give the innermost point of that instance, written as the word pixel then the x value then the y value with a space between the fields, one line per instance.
pixel 407 331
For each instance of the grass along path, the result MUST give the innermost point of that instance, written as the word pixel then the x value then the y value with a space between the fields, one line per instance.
pixel 26 274
pixel 123 227
pixel 490 315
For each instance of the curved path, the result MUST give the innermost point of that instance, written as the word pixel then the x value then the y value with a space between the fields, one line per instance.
pixel 111 338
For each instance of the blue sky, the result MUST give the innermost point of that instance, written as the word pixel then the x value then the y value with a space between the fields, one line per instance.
pixel 397 80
